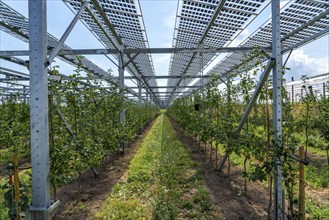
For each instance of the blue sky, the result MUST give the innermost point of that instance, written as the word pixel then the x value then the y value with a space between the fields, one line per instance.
pixel 159 19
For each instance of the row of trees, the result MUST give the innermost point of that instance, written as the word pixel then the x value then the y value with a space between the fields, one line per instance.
pixel 212 116
pixel 84 125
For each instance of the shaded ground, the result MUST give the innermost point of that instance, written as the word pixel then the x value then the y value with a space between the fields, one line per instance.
pixel 94 191
pixel 225 192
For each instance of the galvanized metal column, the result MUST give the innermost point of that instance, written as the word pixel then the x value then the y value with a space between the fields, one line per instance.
pixel 292 90
pixel 279 212
pixel 139 90
pixel 121 91
pixel 39 110
pixel 24 94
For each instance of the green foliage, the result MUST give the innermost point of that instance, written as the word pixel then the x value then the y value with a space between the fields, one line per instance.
pixel 83 107
pixel 7 203
pixel 252 149
pixel 317 175
pixel 14 127
pixel 92 114
pixel 317 210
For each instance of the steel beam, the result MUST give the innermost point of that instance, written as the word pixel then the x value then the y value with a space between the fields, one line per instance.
pixel 24 94
pixel 14 72
pixel 136 51
pixel 204 35
pixel 250 105
pixel 41 206
pixel 121 91
pixel 62 117
pixel 255 95
pixel 166 87
pixel 140 91
pixel 307 40
pixel 11 88
pixel 310 22
pixel 60 44
pixel 279 212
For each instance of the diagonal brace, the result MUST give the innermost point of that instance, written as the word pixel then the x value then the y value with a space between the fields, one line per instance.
pixel 250 105
pixel 131 60
pixel 66 34
pixel 60 114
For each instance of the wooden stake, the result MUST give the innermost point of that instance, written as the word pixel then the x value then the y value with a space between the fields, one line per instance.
pixel 301 186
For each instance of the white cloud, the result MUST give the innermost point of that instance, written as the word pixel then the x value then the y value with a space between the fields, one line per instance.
pixel 162 59
pixel 301 63
pixel 169 21
pixel 169 25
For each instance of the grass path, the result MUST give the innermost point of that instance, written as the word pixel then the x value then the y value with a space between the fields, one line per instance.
pixel 162 182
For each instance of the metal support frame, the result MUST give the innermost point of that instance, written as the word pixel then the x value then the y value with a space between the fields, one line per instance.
pixel 279 212
pixel 121 91
pixel 62 117
pixel 307 40
pixel 292 93
pixel 135 51
pixel 41 206
pixel 250 105
pixel 24 94
pixel 60 44
pixel 139 82
pixel 302 27
pixel 255 95
pixel 131 59
pixel 166 87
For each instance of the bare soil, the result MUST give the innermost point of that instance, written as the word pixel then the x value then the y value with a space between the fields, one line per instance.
pixel 94 191
pixel 227 191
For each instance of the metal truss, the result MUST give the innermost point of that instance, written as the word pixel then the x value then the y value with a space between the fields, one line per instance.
pixel 119 25
pixel 219 22
pixel 302 21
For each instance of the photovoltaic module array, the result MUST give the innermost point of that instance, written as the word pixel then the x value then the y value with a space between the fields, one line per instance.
pixel 119 24
pixel 301 22
pixel 208 23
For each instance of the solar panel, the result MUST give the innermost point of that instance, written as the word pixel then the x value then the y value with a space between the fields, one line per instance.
pixel 128 29
pixel 193 28
pixel 311 17
pixel 17 25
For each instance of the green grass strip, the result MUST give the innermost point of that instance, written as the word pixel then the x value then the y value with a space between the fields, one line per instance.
pixel 163 182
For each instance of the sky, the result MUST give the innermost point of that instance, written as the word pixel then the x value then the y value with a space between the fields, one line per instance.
pixel 159 20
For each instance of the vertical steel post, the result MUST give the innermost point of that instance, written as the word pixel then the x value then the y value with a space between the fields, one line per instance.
pixel 139 90
pixel 292 93
pixel 292 90
pixel 121 91
pixel 139 84
pixel 24 94
pixel 324 90
pixel 39 109
pixel 147 96
pixel 279 213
